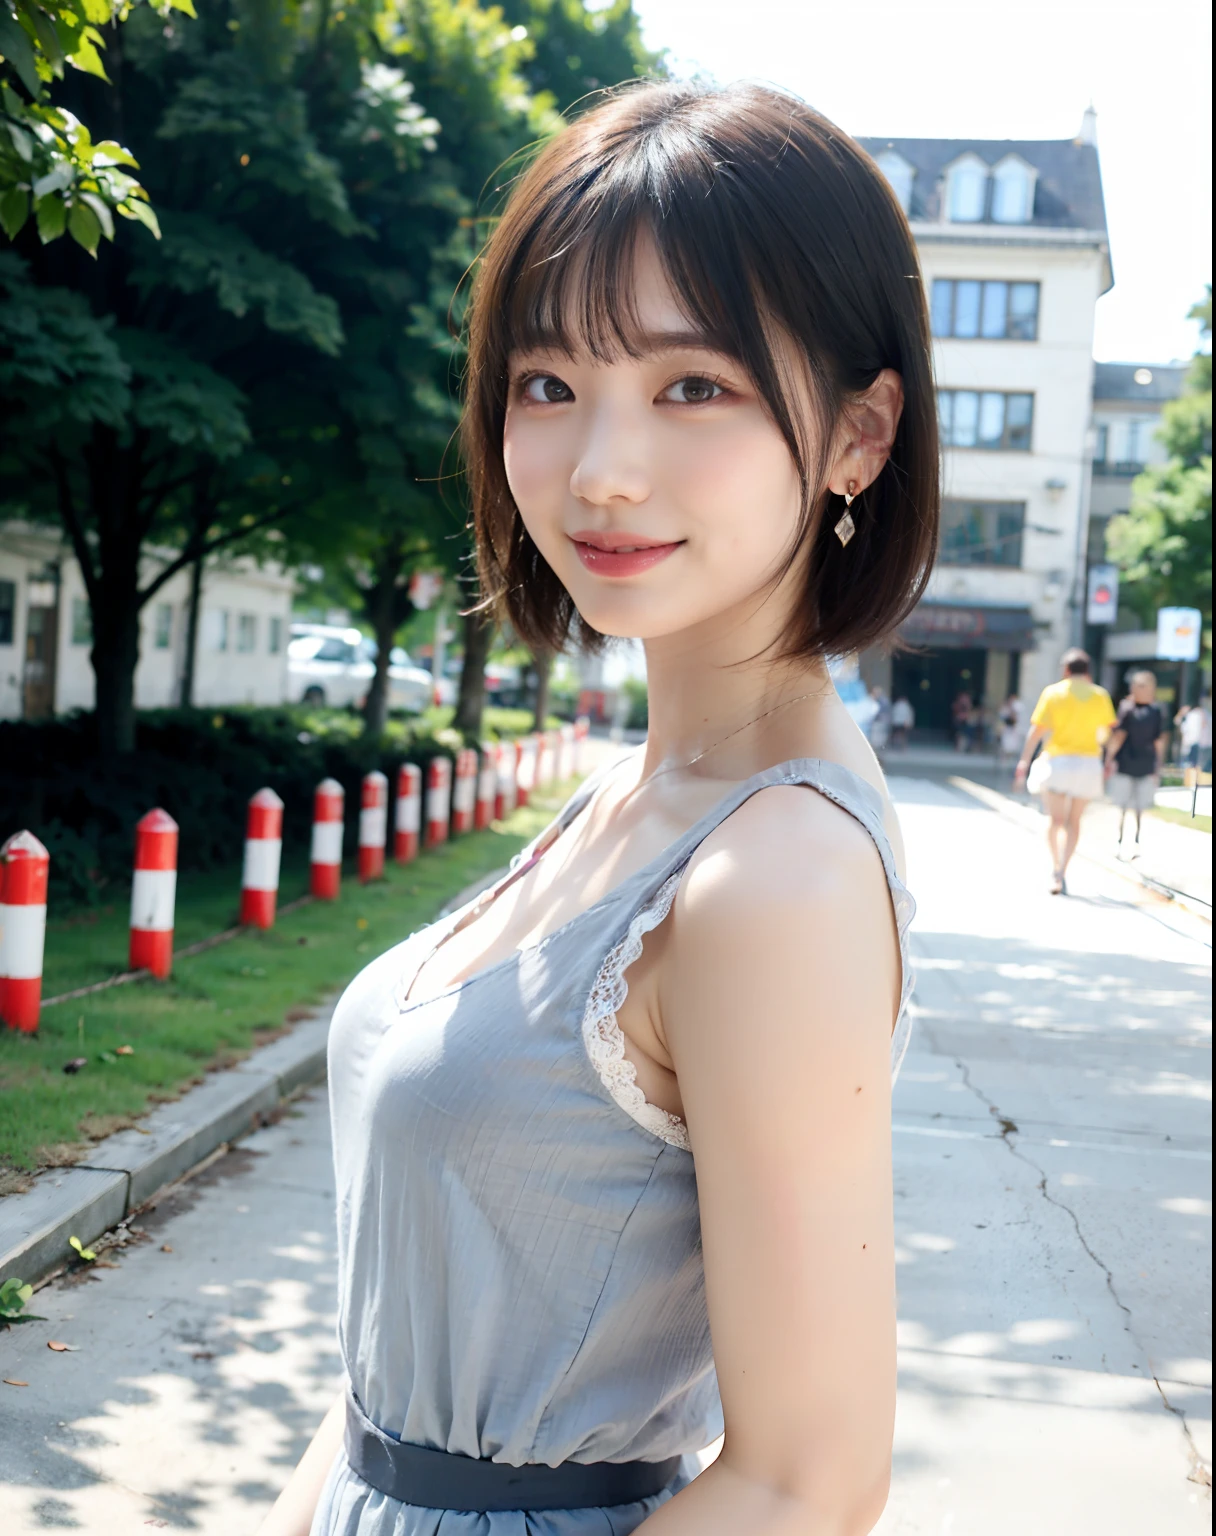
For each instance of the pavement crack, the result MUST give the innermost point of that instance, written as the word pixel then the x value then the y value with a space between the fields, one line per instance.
pixel 1200 1472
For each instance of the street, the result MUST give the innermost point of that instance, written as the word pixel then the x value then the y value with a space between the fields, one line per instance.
pixel 1052 1171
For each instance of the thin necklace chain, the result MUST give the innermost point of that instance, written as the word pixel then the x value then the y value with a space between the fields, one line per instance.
pixel 815 693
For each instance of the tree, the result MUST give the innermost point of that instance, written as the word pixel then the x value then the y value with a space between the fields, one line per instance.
pixel 159 397
pixel 576 51
pixel 1163 543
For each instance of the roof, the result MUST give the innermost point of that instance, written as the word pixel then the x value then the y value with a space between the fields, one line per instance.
pixel 1119 381
pixel 1068 191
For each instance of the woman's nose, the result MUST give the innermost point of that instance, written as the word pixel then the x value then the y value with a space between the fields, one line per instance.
pixel 611 465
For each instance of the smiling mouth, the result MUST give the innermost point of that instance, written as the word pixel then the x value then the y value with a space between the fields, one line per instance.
pixel 609 554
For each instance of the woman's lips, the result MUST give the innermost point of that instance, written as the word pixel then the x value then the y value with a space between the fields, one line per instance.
pixel 622 562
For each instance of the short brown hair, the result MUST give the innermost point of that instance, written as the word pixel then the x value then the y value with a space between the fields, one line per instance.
pixel 1076 662
pixel 764 215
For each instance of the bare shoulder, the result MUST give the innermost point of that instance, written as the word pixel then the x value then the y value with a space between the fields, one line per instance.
pixel 786 844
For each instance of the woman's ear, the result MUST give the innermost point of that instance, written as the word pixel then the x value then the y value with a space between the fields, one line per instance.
pixel 866 433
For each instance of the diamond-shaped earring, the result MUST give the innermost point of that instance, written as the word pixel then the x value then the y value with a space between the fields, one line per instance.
pixel 846 527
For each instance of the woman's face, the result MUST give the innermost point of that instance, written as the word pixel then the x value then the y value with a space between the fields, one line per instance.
pixel 659 490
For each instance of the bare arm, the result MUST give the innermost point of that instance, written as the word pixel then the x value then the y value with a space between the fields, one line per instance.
pixel 1034 736
pixel 777 996
pixel 1114 743
pixel 294 1508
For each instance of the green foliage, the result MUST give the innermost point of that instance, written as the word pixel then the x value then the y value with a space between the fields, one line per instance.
pixel 49 163
pixel 575 52
pixel 14 1298
pixel 1163 543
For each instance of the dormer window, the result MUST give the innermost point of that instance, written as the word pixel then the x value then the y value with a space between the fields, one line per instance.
pixel 1012 191
pixel 966 190
pixel 900 175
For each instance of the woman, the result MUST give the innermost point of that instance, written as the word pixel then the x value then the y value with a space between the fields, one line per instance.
pixel 700 411
pixel 1135 750
pixel 1071 722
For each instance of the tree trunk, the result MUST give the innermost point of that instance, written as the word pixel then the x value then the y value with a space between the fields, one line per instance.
pixel 115 655
pixel 542 664
pixel 380 612
pixel 471 700
pixel 192 617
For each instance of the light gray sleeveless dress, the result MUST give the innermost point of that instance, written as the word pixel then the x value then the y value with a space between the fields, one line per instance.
pixel 519 1255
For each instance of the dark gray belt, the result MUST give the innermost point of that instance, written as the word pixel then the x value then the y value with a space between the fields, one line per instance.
pixel 431 1479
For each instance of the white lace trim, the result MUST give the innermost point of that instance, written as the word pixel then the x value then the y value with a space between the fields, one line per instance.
pixel 603 1037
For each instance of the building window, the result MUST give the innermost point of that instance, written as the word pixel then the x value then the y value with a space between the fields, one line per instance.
pixel 971 418
pixel 982 532
pixel 966 190
pixel 995 311
pixel 162 626
pixel 900 175
pixel 82 622
pixel 246 632
pixel 1101 445
pixel 8 607
pixel 215 627
pixel 276 636
pixel 1012 192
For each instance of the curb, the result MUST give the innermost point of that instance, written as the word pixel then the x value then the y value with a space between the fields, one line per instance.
pixel 125 1170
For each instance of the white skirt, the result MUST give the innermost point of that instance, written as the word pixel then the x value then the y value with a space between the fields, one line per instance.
pixel 1080 778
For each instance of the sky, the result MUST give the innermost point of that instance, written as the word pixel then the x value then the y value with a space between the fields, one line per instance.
pixel 1024 70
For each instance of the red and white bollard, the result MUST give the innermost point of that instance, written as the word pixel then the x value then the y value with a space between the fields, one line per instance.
pixel 328 816
pixel 24 867
pixel 408 818
pixel 464 790
pixel 565 754
pixel 525 768
pixel 487 783
pixel 263 850
pixel 553 753
pixel 504 780
pixel 373 826
pixel 153 891
pixel 438 800
pixel 582 729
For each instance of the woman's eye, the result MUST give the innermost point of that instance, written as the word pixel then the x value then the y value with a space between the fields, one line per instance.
pixel 692 391
pixel 547 389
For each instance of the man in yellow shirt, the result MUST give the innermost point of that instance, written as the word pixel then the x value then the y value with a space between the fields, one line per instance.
pixel 1073 718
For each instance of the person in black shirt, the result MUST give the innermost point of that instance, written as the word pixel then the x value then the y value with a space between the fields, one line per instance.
pixel 1135 750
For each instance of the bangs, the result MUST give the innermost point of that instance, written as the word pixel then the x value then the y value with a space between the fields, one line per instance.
pixel 574 291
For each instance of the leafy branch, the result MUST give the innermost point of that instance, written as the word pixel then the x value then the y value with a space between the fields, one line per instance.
pixel 50 167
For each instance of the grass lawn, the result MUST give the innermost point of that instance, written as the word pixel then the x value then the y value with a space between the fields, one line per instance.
pixel 217 1005
pixel 1183 818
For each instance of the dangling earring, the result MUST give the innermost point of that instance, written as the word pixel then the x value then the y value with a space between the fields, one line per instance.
pixel 846 527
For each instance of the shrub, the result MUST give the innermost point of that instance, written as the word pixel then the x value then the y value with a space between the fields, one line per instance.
pixel 200 765
pixel 635 690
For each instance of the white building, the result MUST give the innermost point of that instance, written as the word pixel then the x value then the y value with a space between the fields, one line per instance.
pixel 1015 255
pixel 45 636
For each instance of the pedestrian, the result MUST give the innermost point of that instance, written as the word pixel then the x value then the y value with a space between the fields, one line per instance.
pixel 880 724
pixel 960 714
pixel 699 411
pixel 1071 722
pixel 903 719
pixel 1195 740
pixel 1012 728
pixel 1135 751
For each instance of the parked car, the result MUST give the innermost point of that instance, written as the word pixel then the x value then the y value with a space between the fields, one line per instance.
pixel 328 665
pixel 504 683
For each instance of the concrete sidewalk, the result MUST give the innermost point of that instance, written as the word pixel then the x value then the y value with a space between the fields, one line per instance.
pixel 1052 1162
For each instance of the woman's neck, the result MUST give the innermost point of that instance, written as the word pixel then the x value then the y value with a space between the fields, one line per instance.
pixel 703 688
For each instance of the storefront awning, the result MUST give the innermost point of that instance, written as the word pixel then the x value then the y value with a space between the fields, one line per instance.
pixel 954 626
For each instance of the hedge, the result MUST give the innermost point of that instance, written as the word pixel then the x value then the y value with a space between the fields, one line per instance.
pixel 199 765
